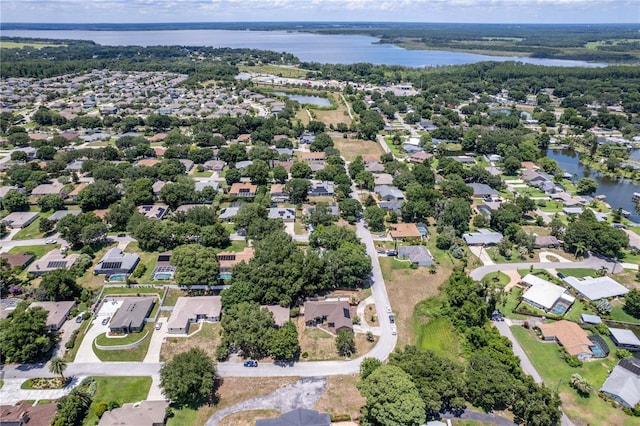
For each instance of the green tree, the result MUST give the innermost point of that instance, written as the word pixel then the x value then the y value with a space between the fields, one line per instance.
pixel 57 366
pixel 177 194
pixel 50 202
pixel 456 214
pixel 586 186
pixel 332 237
pixel 350 209
pixel 320 214
pixel 511 166
pixel 283 345
pixel 374 216
pixel 345 342
pixel 348 266
pixel 189 379
pixel 632 303
pixel 119 215
pixel 368 366
pixel 505 215
pixel 248 328
pixel 15 201
pixel 58 285
pixel 140 191
pixel 214 236
pixel 280 174
pixel 258 172
pixel 196 265
pixel 298 190
pixel 98 195
pixel 45 226
pixel 24 336
pixel 300 170
pixel 392 398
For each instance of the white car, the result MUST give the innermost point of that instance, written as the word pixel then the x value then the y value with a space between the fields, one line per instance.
pixel 394 330
pixel 388 309
pixel 51 241
pixel 158 325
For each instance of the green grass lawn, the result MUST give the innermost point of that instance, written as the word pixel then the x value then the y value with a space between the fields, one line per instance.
pixel 556 374
pixel 136 354
pixel 70 354
pixel 515 257
pixel 37 251
pixel 629 257
pixel 438 335
pixel 513 298
pixel 579 307
pixel 119 389
pixel 497 279
pixel 618 314
pixel 173 296
pixel 578 272
pixel 205 173
pixel 103 340
pixel 33 230
pixel 132 290
pixel 183 416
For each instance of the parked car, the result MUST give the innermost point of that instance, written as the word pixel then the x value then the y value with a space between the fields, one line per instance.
pixel 391 319
pixel 388 309
pixel 79 318
pixel 105 321
pixel 158 325
pixel 51 241
pixel 122 235
pixel 394 330
pixel 560 275
pixel 251 363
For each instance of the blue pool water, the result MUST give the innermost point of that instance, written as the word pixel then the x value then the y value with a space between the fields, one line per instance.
pixel 163 276
pixel 559 309
pixel 597 351
pixel 224 275
pixel 117 277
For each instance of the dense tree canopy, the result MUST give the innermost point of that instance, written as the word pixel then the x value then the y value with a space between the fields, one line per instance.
pixel 24 336
pixel 189 378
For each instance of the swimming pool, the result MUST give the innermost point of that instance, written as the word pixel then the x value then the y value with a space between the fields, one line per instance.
pixel 559 309
pixel 597 351
pixel 224 275
pixel 117 277
pixel 163 276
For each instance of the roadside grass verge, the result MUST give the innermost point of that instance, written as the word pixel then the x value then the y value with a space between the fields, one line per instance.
pixel 556 374
pixel 119 389
pixel 577 272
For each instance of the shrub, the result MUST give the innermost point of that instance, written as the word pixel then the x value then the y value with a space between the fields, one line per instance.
pixel 356 319
pixel 622 353
pixel 100 408
pixel 305 355
pixel 572 360
pixel 140 270
pixel 222 352
pixel 340 417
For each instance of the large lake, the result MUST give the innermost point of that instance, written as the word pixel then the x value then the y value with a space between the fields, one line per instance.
pixel 332 49
pixel 618 192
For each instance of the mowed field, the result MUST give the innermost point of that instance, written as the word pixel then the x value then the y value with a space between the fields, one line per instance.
pixel 351 148
pixel 20 45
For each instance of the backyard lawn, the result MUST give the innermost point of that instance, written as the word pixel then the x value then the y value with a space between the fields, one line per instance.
pixel 120 389
pixel 136 354
pixel 556 374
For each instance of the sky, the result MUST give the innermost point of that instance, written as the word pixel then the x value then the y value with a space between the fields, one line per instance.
pixel 474 11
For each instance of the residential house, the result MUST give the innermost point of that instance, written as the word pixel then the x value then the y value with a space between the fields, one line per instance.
pixel 57 312
pixel 53 188
pixel 623 384
pixel 147 162
pixel 188 164
pixel 214 165
pixel 596 288
pixel 5 189
pixel 27 414
pixel 570 336
pixel 163 269
pixel 286 214
pixel 190 310
pixel 131 315
pixel 404 231
pixel 200 186
pixel 546 241
pixel 420 157
pixel 19 220
pixel 465 159
pixel 624 339
pixel 59 214
pixel 332 208
pixel 298 417
pixel 153 211
pixel 393 206
pixel 145 413
pixel 383 179
pixel 240 165
pixel 307 138
pixel 388 193
pixel 18 260
pixel 410 148
pixel 374 167
pixel 545 295
pixel 281 315
pixel 418 255
pixel 242 189
pixel 51 261
pixel 115 261
pixel 157 187
pixel 482 190
pixel 278 194
pixel 312 157
pixel 567 199
pixel 334 315
pixel 228 213
pixel 229 259
pixel 483 237
pixel 321 189
pixel 73 195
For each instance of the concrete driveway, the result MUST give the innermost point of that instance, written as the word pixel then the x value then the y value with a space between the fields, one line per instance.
pixel 85 352
pixel 157 337
pixel 65 331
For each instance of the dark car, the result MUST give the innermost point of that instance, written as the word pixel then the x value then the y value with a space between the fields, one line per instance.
pixel 560 275
pixel 251 363
pixel 79 318
pixel 122 235
pixel 391 319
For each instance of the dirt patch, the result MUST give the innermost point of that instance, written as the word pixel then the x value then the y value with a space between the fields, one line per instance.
pixel 341 396
pixel 248 418
pixel 371 316
pixel 351 148
pixel 319 345
pixel 233 390
pixel 628 278
pixel 206 339
pixel 405 288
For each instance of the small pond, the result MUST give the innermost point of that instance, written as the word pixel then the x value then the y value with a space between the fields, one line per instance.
pixel 318 101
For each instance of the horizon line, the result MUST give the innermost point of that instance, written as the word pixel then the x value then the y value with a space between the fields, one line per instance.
pixel 318 22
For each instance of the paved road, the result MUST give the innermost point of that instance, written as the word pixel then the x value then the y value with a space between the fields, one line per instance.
pixel 5 246
pixel 302 394
pixel 592 262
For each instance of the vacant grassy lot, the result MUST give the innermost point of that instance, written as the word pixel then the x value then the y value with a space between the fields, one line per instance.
pixel 232 390
pixel 173 296
pixel 333 116
pixel 577 272
pixel 248 418
pixel 351 148
pixel 37 251
pixel 133 290
pixel 556 374
pixel 280 71
pixel 119 389
pixel 207 339
pixel 438 335
pixel 136 354
pixel 34 44
pixel 341 396
pixel 406 287
pixel 497 279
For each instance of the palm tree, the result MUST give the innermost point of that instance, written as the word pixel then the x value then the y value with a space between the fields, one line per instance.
pixel 57 366
pixel 581 248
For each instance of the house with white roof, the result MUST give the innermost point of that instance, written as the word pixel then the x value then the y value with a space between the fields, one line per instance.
pixel 596 288
pixel 545 295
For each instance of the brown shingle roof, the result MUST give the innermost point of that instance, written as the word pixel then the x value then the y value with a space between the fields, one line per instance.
pixel 20 260
pixel 569 334
pixel 405 230
pixel 336 313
